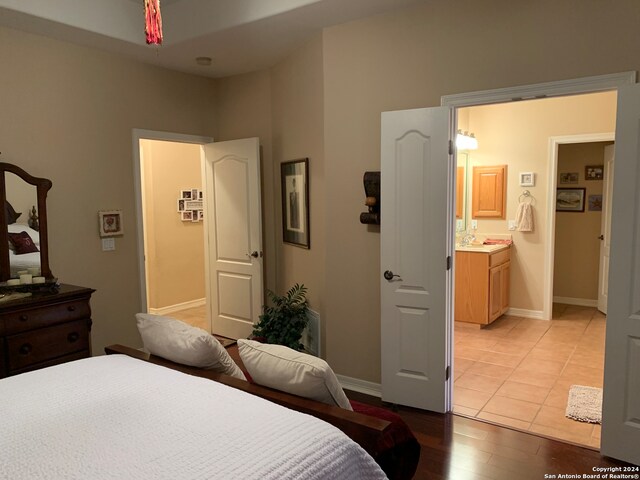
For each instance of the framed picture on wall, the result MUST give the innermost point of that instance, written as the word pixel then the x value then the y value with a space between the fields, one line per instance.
pixel 527 179
pixel 570 199
pixel 568 177
pixel 110 223
pixel 595 203
pixel 294 176
pixel 594 172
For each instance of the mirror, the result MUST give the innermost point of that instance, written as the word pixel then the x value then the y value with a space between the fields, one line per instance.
pixel 24 216
pixel 462 163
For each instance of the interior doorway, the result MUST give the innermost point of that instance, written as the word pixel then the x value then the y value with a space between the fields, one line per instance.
pixel 518 370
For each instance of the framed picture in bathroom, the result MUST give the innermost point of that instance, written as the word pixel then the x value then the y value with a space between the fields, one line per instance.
pixel 570 199
pixel 527 179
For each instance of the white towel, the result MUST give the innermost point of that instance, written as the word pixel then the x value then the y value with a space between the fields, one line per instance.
pixel 524 217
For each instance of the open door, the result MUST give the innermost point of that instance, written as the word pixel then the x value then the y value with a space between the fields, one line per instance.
pixel 605 230
pixel 415 242
pixel 621 407
pixel 234 230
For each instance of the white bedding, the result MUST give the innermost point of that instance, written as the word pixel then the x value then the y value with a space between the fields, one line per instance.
pixel 114 417
pixel 23 262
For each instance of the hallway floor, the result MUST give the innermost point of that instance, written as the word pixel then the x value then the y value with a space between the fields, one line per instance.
pixel 196 316
pixel 517 371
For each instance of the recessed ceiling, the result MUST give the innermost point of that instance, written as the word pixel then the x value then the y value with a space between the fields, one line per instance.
pixel 239 35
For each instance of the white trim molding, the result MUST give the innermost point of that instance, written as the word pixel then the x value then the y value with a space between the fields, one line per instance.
pixel 599 83
pixel 178 306
pixel 522 312
pixel 581 302
pixel 360 386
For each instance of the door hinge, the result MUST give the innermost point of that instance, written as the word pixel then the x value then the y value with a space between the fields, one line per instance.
pixel 449 262
pixel 447 373
pixel 450 147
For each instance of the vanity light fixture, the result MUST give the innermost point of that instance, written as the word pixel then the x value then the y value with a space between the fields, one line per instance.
pixel 466 141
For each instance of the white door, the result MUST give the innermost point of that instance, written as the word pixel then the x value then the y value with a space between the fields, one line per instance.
pixel 621 408
pixel 416 238
pixel 234 229
pixel 605 229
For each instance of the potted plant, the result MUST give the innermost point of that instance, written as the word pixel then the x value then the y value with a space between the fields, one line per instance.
pixel 283 322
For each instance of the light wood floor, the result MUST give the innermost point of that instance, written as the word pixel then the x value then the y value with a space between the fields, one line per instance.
pixel 196 316
pixel 517 372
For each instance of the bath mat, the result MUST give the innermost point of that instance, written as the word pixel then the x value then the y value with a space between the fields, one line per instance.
pixel 585 404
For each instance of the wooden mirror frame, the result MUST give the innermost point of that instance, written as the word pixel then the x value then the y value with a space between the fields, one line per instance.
pixel 42 187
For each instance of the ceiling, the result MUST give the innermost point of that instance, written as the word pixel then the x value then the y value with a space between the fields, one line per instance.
pixel 239 35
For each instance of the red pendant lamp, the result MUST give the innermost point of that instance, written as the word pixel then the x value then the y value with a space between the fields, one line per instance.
pixel 153 22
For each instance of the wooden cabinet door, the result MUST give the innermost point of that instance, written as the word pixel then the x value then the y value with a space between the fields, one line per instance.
pixel 489 191
pixel 495 293
pixel 505 279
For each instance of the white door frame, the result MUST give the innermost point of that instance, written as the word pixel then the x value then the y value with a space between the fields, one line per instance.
pixel 549 254
pixel 138 134
pixel 600 83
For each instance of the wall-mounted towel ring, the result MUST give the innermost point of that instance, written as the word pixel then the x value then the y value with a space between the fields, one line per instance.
pixel 526 195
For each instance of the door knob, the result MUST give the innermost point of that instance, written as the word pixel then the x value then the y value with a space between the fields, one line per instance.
pixel 254 254
pixel 388 274
pixel 601 237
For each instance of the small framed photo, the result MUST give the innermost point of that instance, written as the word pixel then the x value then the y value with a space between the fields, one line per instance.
pixel 295 202
pixel 181 205
pixel 527 179
pixel 195 216
pixel 186 216
pixel 194 194
pixel 594 172
pixel 570 199
pixel 110 223
pixel 568 177
pixel 201 215
pixel 200 195
pixel 595 203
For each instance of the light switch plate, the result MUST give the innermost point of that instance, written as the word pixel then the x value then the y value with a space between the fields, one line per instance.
pixel 108 244
pixel 512 224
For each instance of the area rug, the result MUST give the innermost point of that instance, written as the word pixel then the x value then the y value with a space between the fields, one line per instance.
pixel 585 404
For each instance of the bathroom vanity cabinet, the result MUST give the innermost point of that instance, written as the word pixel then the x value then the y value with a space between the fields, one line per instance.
pixel 482 283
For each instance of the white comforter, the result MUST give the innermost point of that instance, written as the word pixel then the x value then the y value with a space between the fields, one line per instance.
pixel 115 417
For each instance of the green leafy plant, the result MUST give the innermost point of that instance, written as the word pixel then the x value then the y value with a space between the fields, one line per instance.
pixel 283 322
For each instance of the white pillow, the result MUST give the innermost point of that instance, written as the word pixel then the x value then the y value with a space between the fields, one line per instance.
pixel 20 227
pixel 285 369
pixel 174 340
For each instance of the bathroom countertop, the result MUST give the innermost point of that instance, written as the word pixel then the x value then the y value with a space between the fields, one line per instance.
pixel 482 248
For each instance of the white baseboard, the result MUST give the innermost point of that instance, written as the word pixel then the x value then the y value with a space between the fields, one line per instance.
pixel 361 386
pixel 178 306
pixel 521 312
pixel 582 302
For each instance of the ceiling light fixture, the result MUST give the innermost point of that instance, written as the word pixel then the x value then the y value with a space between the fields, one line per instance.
pixel 152 22
pixel 204 61
pixel 466 141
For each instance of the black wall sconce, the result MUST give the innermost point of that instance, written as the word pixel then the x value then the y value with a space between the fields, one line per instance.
pixel 372 191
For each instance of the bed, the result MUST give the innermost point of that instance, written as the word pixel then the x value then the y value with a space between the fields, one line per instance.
pixel 116 417
pixel 24 261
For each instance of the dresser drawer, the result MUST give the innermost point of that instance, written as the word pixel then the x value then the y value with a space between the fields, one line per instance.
pixel 30 318
pixel 47 343
pixel 499 258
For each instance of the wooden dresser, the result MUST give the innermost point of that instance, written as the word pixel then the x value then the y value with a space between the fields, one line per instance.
pixel 45 329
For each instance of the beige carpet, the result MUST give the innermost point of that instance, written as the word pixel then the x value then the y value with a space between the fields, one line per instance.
pixel 585 404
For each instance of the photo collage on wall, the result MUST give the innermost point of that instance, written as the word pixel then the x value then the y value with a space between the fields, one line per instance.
pixel 190 205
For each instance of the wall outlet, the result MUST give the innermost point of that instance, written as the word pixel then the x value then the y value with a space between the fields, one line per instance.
pixel 512 224
pixel 108 244
pixel 474 224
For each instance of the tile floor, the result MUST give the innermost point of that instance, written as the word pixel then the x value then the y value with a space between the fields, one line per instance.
pixel 196 316
pixel 518 371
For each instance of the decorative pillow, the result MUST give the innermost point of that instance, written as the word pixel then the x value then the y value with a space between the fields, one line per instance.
pixel 285 369
pixel 174 340
pixel 22 243
pixel 21 227
pixel 10 213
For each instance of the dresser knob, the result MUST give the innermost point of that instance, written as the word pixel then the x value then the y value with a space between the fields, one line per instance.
pixel 25 349
pixel 24 318
pixel 71 308
pixel 73 337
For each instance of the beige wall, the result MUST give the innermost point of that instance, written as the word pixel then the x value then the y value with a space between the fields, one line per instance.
pixel 174 249
pixel 577 247
pixel 517 134
pixel 21 196
pixel 410 59
pixel 67 114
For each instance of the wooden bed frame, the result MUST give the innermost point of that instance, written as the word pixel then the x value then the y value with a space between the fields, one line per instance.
pixel 363 429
